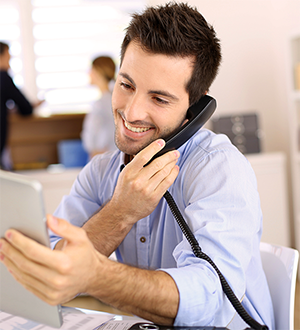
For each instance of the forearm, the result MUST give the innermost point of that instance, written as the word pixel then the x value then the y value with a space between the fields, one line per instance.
pixel 152 295
pixel 107 229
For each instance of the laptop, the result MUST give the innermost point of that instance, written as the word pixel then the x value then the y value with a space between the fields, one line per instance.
pixel 22 208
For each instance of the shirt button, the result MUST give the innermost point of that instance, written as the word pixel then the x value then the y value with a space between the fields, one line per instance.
pixel 143 239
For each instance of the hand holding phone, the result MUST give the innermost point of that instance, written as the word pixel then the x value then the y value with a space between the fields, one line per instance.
pixel 139 189
pixel 197 115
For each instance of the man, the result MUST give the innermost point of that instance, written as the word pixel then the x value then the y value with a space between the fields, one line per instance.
pixel 169 58
pixel 9 91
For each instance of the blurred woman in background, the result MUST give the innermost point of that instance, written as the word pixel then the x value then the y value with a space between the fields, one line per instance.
pixel 98 125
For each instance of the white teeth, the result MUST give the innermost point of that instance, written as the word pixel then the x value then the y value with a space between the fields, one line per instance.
pixel 135 129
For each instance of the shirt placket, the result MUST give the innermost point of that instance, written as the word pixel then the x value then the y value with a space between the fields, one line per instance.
pixel 143 242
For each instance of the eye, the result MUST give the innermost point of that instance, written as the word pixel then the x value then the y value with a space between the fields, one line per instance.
pixel 160 100
pixel 125 85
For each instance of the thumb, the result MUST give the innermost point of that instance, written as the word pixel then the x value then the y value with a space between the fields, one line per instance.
pixel 64 229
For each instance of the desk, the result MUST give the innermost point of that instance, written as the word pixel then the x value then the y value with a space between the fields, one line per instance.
pixel 33 139
pixel 88 302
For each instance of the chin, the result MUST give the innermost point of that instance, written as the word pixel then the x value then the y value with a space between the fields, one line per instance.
pixel 130 147
pixel 129 150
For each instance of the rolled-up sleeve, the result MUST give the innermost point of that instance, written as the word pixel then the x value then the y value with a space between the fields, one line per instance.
pixel 86 196
pixel 196 297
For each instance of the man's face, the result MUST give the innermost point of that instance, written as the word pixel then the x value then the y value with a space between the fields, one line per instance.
pixel 149 99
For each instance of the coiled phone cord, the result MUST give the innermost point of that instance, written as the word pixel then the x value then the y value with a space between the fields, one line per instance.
pixel 198 253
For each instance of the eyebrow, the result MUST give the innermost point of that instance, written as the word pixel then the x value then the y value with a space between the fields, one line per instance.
pixel 126 76
pixel 164 93
pixel 157 92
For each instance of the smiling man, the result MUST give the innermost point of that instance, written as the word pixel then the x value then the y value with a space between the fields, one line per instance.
pixel 151 108
pixel 169 58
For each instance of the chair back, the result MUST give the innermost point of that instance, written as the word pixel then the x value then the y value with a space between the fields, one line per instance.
pixel 280 266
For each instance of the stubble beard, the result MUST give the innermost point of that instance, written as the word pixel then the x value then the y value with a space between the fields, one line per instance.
pixel 127 147
pixel 126 144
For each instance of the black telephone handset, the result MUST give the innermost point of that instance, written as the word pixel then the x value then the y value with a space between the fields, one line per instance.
pixel 197 115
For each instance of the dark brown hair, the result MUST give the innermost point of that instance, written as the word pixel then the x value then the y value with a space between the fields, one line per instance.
pixel 106 66
pixel 3 47
pixel 177 29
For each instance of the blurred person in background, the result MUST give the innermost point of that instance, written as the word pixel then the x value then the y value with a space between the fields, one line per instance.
pixel 98 125
pixel 9 92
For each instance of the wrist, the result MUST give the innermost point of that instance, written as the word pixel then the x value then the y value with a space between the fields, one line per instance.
pixel 123 218
pixel 101 283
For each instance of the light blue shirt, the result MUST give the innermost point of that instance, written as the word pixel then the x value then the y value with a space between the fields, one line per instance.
pixel 217 194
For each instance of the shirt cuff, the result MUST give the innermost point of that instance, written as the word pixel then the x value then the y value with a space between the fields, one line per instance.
pixel 200 294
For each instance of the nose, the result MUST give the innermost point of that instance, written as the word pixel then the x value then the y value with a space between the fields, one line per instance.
pixel 136 109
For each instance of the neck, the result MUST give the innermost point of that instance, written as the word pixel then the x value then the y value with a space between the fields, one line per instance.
pixel 128 159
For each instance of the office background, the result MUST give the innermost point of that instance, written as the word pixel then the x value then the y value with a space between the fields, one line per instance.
pixel 53 42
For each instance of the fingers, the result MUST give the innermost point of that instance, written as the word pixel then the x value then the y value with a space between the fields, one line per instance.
pixel 163 177
pixel 17 266
pixel 154 179
pixel 24 270
pixel 145 155
pixel 20 254
pixel 164 163
pixel 66 230
pixel 165 184
pixel 162 171
pixel 16 242
pixel 18 246
pixel 54 276
pixel 41 281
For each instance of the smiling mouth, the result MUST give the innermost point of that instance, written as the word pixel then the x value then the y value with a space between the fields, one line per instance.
pixel 136 129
